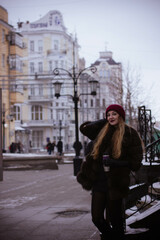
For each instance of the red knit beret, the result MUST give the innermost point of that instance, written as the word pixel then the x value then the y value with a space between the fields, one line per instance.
pixel 115 107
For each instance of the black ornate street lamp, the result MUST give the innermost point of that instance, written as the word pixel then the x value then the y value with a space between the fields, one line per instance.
pixel 75 77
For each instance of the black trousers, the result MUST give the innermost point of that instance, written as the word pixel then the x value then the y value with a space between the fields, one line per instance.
pixel 107 214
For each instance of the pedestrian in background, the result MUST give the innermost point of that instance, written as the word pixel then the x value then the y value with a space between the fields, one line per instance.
pixel 13 147
pixel 60 147
pixel 49 147
pixel 115 150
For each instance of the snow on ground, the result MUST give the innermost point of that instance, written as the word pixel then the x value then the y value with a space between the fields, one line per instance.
pixel 18 201
pixel 139 216
pixel 34 154
pixel 135 230
pixel 23 154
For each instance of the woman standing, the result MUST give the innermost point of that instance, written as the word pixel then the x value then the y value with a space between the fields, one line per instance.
pixel 115 150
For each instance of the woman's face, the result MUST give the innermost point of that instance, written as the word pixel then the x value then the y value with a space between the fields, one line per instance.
pixel 113 117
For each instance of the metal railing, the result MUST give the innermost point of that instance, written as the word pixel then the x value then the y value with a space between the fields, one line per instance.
pixel 151 156
pixel 152 153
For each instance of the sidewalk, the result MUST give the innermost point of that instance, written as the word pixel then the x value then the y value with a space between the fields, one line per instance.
pixel 45 205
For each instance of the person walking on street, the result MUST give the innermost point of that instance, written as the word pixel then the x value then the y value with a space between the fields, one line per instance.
pixel 49 147
pixel 60 147
pixel 13 147
pixel 115 150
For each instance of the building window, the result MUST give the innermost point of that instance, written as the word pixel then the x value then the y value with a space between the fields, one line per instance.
pixel 56 64
pixel 40 67
pixel 32 46
pixel 15 62
pixel 21 66
pixel 3 83
pixel 3 60
pixel 103 102
pixel 37 139
pixel 16 110
pixel 91 102
pixel 50 90
pixel 55 45
pixel 51 111
pixel 103 73
pixel 97 102
pixel 32 89
pixel 31 67
pixel 97 115
pixel 50 66
pixel 16 39
pixel 108 74
pixel 36 112
pixel 50 20
pixel 12 62
pixel 40 90
pixel 57 20
pixel 3 35
pixel 40 46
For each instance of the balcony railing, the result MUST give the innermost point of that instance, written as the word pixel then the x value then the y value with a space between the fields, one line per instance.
pixel 56 52
pixel 39 98
pixel 38 123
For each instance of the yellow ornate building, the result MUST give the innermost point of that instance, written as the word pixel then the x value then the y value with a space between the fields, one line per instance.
pixel 11 52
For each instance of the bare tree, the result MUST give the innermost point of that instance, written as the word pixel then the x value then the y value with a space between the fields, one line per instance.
pixel 132 94
pixel 115 87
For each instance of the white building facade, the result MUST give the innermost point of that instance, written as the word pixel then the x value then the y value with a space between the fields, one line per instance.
pixel 48 46
pixel 109 90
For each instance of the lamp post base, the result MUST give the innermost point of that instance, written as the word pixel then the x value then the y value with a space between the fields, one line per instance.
pixel 77 161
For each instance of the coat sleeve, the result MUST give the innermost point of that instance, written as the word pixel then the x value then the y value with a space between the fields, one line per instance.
pixel 92 129
pixel 135 151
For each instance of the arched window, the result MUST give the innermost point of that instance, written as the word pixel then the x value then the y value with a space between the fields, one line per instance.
pixel 36 112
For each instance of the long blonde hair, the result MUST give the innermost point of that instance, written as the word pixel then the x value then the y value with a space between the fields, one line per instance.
pixel 116 140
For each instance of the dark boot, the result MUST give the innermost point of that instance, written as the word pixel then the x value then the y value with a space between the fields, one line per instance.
pixel 107 235
pixel 103 237
pixel 118 235
pixel 104 228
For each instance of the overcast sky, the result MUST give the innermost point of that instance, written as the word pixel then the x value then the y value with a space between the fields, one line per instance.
pixel 128 28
